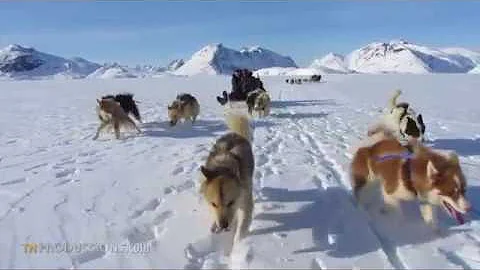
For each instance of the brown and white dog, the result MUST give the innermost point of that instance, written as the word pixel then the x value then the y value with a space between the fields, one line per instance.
pixel 111 113
pixel 184 106
pixel 434 178
pixel 227 179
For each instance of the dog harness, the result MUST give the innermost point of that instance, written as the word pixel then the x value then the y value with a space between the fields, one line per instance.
pixel 406 167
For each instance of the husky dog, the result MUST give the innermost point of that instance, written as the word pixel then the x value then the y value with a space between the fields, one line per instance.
pixel 402 120
pixel 184 106
pixel 434 178
pixel 111 113
pixel 128 104
pixel 259 101
pixel 227 179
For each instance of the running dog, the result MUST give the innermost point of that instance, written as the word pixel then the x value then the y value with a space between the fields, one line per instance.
pixel 184 106
pixel 128 104
pixel 400 119
pixel 111 113
pixel 227 179
pixel 434 178
pixel 259 101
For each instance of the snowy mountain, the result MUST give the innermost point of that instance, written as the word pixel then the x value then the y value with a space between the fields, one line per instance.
pixel 27 63
pixel 117 71
pixel 218 59
pixel 403 57
pixel 475 70
pixel 288 71
pixel 175 64
pixel 332 63
pixel 468 57
pixel 112 71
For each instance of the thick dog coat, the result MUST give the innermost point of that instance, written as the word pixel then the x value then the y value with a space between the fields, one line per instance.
pixel 227 179
pixel 401 120
pixel 259 101
pixel 110 113
pixel 128 104
pixel 431 177
pixel 184 106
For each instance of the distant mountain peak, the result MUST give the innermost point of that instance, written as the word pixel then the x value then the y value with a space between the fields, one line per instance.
pixel 218 59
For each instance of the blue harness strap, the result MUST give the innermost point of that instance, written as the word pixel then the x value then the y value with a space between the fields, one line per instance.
pixel 405 155
pixel 406 168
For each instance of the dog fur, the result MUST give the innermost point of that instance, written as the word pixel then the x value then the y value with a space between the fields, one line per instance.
pixel 401 120
pixel 111 113
pixel 435 179
pixel 184 106
pixel 258 101
pixel 227 179
pixel 128 104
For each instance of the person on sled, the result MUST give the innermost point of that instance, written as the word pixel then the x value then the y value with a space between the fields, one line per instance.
pixel 243 82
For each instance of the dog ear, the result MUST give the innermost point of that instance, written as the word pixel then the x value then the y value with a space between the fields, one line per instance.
pixel 422 124
pixel 431 171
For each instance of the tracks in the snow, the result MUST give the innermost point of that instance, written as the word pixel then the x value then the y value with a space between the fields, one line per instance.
pixel 328 173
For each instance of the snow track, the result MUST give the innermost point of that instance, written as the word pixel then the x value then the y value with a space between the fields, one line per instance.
pixel 57 185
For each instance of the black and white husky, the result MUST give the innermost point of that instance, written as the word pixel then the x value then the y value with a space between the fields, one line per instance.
pixel 401 120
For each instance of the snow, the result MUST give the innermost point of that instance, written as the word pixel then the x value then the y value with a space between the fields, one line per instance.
pixel 218 59
pixel 333 62
pixel 58 185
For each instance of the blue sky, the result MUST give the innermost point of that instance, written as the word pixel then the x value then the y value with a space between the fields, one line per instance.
pixel 155 32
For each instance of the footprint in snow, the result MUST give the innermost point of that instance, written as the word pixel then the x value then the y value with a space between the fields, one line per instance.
pixel 149 231
pixel 14 181
pixel 152 205
pixel 178 170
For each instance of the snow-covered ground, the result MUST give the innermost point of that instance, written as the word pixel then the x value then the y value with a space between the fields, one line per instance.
pixel 57 185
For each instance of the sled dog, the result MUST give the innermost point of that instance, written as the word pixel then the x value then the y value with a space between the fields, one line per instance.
pixel 227 179
pixel 259 101
pixel 184 106
pixel 434 178
pixel 110 113
pixel 401 120
pixel 129 105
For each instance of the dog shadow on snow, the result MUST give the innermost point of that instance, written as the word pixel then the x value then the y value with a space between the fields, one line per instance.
pixel 464 147
pixel 201 128
pixel 341 229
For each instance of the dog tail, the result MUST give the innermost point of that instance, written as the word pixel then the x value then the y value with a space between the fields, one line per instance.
pixel 240 125
pixel 393 100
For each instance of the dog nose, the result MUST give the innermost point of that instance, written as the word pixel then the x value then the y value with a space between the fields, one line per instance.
pixel 223 224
